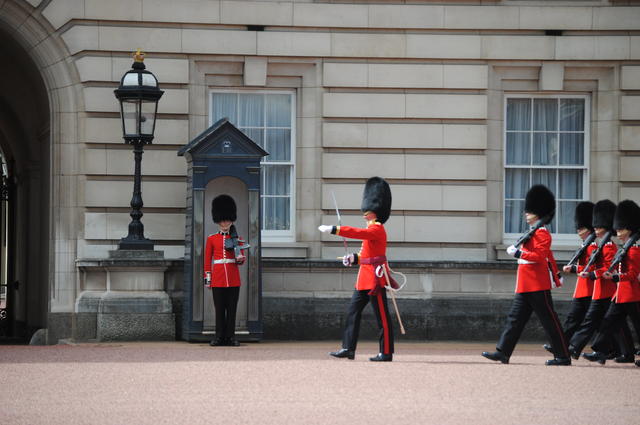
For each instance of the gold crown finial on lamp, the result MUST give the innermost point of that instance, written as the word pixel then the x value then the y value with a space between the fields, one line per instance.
pixel 138 56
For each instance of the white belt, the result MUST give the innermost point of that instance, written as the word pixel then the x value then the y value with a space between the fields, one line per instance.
pixel 224 261
pixel 521 261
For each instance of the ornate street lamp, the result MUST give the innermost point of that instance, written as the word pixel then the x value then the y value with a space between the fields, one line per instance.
pixel 138 95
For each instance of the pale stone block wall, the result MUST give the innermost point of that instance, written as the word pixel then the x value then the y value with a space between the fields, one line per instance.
pixel 109 130
pixel 416 136
pixel 630 138
pixel 630 77
pixel 114 226
pixel 630 107
pixel 416 197
pixel 168 194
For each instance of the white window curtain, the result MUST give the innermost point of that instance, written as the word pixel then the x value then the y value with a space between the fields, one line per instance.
pixel 267 119
pixel 545 144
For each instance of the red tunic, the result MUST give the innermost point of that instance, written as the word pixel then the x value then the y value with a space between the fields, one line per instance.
pixel 533 263
pixel 374 244
pixel 602 288
pixel 584 285
pixel 628 270
pixel 225 270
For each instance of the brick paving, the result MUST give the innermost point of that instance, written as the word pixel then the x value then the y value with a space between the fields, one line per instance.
pixel 297 383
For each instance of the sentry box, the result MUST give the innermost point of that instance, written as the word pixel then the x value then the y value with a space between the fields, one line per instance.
pixel 222 159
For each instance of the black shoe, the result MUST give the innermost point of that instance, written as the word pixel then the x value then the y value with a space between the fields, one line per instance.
pixel 629 358
pixel 344 353
pixel 575 354
pixel 496 356
pixel 548 348
pixel 559 361
pixel 232 342
pixel 217 342
pixel 638 363
pixel 596 356
pixel 611 355
pixel 382 358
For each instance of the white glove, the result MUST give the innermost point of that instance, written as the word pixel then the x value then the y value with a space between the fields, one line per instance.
pixel 348 260
pixel 512 250
pixel 325 229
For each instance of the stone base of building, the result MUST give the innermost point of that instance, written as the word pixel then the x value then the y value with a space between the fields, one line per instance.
pixel 423 319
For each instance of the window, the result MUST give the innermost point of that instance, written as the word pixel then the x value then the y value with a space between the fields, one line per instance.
pixel 546 142
pixel 268 119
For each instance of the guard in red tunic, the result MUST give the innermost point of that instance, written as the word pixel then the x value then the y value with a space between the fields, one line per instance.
pixel 584 286
pixel 536 276
pixel 603 289
pixel 376 206
pixel 221 270
pixel 626 300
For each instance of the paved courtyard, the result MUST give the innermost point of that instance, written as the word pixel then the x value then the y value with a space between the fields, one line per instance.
pixel 297 383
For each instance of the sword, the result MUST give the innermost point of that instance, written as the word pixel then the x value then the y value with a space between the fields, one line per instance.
pixel 344 240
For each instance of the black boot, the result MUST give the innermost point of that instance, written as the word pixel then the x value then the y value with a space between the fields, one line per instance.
pixel 596 356
pixel 559 361
pixel 638 363
pixel 628 358
pixel 496 356
pixel 232 342
pixel 548 348
pixel 217 342
pixel 344 353
pixel 573 352
pixel 382 358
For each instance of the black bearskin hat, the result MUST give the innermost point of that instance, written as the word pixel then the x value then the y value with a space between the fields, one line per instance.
pixel 627 216
pixel 377 198
pixel 541 202
pixel 223 207
pixel 584 215
pixel 603 213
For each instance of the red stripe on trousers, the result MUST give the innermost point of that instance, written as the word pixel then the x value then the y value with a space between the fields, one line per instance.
pixel 385 325
pixel 555 321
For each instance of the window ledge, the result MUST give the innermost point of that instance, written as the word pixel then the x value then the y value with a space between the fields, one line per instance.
pixel 284 250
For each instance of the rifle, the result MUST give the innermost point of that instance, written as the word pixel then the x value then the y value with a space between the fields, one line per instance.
pixel 525 237
pixel 596 253
pixel 580 252
pixel 622 252
pixel 233 243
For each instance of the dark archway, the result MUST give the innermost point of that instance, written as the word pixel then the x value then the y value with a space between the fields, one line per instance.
pixel 25 147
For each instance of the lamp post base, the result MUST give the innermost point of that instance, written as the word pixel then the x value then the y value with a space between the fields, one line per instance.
pixel 135 244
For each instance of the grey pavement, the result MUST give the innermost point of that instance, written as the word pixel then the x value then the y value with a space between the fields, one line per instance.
pixel 298 383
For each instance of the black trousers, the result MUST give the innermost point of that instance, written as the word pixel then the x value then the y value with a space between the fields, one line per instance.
pixel 579 308
pixel 614 322
pixel 590 324
pixel 359 300
pixel 523 305
pixel 225 301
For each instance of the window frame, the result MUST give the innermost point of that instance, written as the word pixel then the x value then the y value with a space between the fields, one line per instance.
pixel 272 235
pixel 561 238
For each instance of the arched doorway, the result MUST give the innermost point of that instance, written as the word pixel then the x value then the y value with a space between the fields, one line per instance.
pixel 24 213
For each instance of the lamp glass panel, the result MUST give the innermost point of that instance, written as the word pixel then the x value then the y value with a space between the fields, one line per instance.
pixel 130 116
pixel 149 80
pixel 148 117
pixel 130 79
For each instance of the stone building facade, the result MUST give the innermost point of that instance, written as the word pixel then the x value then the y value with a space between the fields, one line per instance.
pixel 458 104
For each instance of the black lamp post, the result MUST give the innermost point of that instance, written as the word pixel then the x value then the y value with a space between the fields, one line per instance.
pixel 138 95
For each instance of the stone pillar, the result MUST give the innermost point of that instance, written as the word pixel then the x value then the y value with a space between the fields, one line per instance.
pixel 133 305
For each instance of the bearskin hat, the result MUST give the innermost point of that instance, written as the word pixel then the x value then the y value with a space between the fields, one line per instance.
pixel 603 212
pixel 541 202
pixel 223 207
pixel 377 198
pixel 584 215
pixel 627 216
